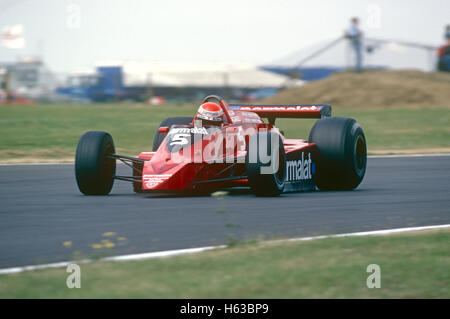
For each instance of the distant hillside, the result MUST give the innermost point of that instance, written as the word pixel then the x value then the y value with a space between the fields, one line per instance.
pixel 372 89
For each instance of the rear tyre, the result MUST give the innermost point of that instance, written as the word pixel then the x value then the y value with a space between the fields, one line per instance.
pixel 266 164
pixel 159 137
pixel 342 153
pixel 94 171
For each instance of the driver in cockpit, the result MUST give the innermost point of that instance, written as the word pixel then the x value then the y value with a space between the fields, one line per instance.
pixel 208 114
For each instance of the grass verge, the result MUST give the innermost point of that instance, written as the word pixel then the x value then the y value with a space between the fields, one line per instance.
pixel 413 265
pixel 49 133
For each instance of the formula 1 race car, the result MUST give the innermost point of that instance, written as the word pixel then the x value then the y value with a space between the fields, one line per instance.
pixel 227 146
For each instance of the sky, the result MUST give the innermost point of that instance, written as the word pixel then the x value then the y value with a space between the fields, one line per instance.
pixel 70 35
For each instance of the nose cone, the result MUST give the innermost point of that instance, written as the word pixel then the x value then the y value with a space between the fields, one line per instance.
pixel 173 177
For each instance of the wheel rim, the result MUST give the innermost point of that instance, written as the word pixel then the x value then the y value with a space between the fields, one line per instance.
pixel 281 168
pixel 360 153
pixel 108 163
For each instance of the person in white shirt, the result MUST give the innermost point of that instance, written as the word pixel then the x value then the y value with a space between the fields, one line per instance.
pixel 447 33
pixel 354 34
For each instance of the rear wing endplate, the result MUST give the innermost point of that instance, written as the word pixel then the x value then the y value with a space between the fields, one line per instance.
pixel 286 111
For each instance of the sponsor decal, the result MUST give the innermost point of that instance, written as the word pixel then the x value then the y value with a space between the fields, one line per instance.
pixel 280 108
pixel 189 130
pixel 297 170
pixel 184 136
pixel 152 181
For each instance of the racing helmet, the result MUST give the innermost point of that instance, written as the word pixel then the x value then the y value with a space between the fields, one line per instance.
pixel 209 113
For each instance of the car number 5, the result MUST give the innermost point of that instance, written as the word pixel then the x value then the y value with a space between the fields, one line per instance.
pixel 180 139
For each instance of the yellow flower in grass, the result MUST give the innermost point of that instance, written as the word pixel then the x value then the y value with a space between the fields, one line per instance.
pixel 219 194
pixel 67 243
pixel 96 246
pixel 109 234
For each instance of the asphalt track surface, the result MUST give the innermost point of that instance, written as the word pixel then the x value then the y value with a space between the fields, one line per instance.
pixel 41 207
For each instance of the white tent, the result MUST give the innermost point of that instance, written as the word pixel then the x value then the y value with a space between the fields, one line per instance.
pixel 180 74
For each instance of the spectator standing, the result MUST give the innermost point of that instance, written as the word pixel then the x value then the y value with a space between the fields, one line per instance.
pixel 447 33
pixel 443 52
pixel 4 84
pixel 354 34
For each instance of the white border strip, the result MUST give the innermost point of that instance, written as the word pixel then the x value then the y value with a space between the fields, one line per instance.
pixel 177 252
pixel 369 233
pixel 370 156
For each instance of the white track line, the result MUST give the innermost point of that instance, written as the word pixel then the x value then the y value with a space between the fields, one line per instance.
pixel 369 233
pixel 177 252
pixel 370 156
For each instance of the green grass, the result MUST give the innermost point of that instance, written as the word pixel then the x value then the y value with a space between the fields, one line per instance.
pixel 51 132
pixel 415 265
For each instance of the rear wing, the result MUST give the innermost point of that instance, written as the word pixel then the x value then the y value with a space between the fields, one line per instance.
pixel 286 111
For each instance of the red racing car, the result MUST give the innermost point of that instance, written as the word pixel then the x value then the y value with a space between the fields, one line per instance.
pixel 225 146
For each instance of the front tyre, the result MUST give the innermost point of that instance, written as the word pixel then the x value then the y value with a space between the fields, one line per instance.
pixel 94 170
pixel 342 153
pixel 266 164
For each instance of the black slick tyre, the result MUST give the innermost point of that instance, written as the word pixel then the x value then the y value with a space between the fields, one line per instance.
pixel 342 153
pixel 94 170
